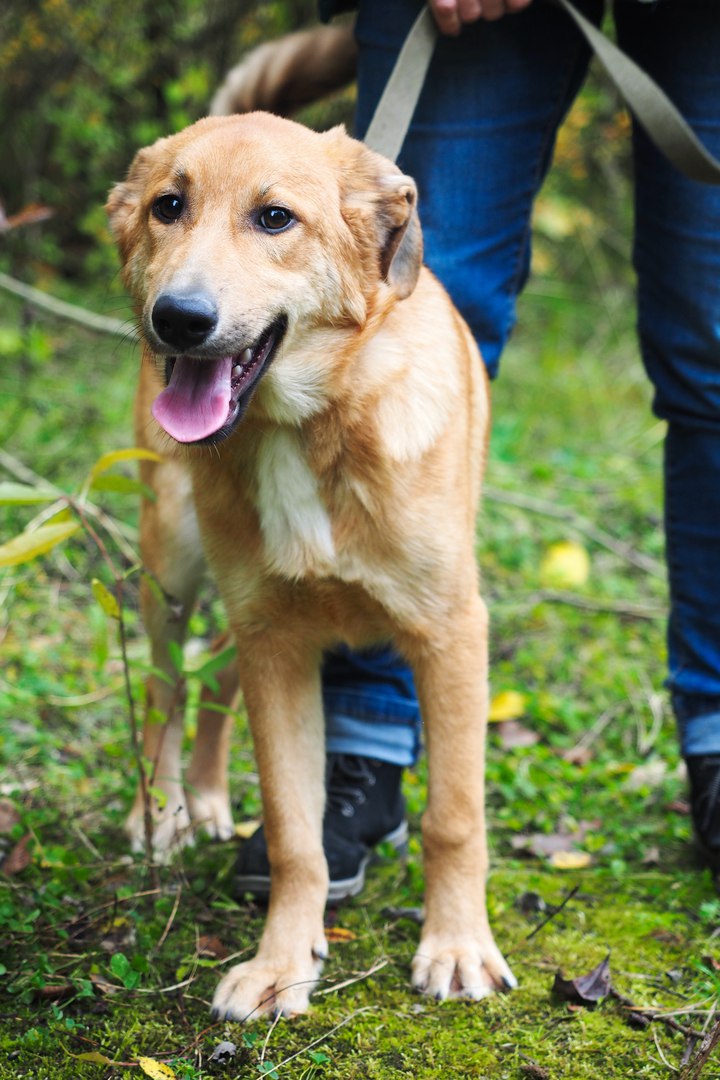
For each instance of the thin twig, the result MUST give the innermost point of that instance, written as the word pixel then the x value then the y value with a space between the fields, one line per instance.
pixel 170 921
pixel 591 603
pixel 672 1068
pixel 104 324
pixel 287 1060
pixel 556 911
pixel 357 978
pixel 653 1014
pixel 275 1022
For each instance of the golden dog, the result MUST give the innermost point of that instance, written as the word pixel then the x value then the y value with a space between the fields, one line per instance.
pixel 334 411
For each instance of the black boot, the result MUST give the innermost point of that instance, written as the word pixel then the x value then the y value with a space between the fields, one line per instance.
pixel 365 807
pixel 704 776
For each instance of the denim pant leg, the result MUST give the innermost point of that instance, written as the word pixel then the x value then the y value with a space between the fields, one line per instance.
pixel 479 146
pixel 677 258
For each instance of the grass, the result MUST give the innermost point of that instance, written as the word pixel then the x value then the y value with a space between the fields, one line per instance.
pixel 94 962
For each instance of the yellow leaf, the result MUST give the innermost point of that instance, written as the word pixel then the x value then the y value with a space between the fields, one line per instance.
pixel 245 829
pixel 134 453
pixel 570 860
pixel 339 933
pixel 565 565
pixel 156 1069
pixel 105 599
pixel 29 545
pixel 507 705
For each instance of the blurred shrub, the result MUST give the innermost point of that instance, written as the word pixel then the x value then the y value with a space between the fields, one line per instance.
pixel 85 84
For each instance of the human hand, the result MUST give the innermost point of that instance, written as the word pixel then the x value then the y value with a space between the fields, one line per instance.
pixel 451 15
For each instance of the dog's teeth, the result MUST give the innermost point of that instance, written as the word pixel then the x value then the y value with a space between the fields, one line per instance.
pixel 237 371
pixel 246 357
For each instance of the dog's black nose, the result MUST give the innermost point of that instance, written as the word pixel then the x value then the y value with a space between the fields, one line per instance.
pixel 184 320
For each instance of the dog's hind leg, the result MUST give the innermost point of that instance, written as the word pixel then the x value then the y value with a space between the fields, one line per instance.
pixel 280 678
pixel 457 955
pixel 206 780
pixel 172 555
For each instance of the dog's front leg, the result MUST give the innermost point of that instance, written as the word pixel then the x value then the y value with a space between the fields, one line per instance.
pixel 281 686
pixel 457 955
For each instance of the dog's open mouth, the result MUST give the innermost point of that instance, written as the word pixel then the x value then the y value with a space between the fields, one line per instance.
pixel 205 398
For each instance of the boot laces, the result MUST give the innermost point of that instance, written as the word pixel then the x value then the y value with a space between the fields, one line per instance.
pixel 348 779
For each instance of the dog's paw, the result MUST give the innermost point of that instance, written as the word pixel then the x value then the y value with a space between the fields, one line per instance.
pixel 171 829
pixel 262 987
pixel 463 967
pixel 210 811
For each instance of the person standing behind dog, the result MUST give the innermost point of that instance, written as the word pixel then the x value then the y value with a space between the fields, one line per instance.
pixel 503 76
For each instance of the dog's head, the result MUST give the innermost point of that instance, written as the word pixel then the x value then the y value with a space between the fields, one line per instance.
pixel 246 241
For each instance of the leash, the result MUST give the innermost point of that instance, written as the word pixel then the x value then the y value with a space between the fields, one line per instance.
pixel 650 105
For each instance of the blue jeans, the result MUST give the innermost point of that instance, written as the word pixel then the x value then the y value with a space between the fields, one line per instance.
pixel 480 144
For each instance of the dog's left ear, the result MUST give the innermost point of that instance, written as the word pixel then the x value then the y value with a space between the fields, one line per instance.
pixel 379 204
pixel 401 245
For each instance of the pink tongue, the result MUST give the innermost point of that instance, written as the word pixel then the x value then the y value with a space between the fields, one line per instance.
pixel 196 403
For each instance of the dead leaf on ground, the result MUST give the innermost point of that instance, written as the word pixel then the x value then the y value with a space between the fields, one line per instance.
pixel 565 565
pixel 211 947
pixel 414 914
pixel 513 735
pixel 667 937
pixel 585 989
pixel 339 934
pixel 19 857
pixel 507 705
pixel 59 992
pixel 648 775
pixel 570 860
pixel 245 829
pixel 157 1070
pixel 103 985
pixel 651 856
pixel 223 1053
pixel 577 755
pixel 9 816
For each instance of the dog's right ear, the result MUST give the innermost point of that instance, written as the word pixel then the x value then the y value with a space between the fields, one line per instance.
pixel 124 202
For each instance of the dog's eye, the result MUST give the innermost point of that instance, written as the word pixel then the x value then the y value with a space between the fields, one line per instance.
pixel 168 208
pixel 275 218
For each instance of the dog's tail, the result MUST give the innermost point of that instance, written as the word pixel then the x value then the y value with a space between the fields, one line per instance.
pixel 284 75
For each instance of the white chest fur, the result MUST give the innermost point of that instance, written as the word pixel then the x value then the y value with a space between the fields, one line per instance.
pixel 295 524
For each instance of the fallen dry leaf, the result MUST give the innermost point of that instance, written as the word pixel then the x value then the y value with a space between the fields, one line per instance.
pixel 507 705
pixel 156 1069
pixel 570 860
pixel 339 934
pixel 211 947
pixel 18 858
pixel 9 816
pixel 245 829
pixel 565 565
pixel 651 856
pixel 585 989
pixel 577 755
pixel 648 775
pixel 223 1053
pixel 514 735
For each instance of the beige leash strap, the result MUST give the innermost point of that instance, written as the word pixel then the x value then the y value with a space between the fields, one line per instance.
pixel 649 104
pixel 395 108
